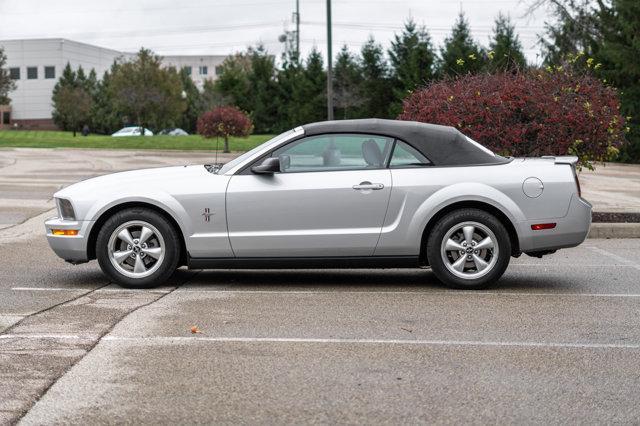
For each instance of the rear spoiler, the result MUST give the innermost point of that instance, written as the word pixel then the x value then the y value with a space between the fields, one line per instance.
pixel 562 159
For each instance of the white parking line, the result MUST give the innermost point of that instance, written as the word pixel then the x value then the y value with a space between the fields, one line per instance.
pixel 198 339
pixel 302 340
pixel 614 256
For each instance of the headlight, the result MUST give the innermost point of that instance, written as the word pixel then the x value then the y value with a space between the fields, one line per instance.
pixel 65 209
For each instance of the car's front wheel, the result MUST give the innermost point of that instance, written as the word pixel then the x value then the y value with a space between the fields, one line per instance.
pixel 138 248
pixel 468 249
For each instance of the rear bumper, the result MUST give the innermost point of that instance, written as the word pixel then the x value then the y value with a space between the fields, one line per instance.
pixel 70 248
pixel 570 231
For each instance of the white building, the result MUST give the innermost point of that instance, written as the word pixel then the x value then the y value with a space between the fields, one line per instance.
pixel 36 65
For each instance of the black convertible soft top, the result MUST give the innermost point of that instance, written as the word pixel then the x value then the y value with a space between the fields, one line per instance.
pixel 442 145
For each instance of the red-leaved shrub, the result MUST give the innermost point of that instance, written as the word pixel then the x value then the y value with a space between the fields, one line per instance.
pixel 223 122
pixel 530 113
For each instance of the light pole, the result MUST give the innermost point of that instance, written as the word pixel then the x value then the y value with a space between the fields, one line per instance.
pixel 329 66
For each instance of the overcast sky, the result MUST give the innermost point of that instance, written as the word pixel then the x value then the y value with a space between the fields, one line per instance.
pixel 226 26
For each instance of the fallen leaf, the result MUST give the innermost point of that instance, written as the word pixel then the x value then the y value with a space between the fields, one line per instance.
pixel 195 330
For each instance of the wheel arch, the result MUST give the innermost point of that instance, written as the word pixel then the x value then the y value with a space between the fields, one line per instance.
pixel 470 204
pixel 105 215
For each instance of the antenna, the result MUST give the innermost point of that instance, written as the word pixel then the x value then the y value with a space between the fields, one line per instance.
pixel 216 160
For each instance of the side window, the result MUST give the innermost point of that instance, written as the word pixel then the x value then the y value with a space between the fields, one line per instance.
pixel 405 155
pixel 333 152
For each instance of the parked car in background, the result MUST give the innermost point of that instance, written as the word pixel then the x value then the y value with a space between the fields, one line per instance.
pixel 173 132
pixel 132 131
pixel 352 193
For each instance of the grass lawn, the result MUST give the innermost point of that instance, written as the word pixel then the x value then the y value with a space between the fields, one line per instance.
pixel 54 139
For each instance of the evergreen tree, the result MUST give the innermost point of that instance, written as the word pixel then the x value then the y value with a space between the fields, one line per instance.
pixel 347 79
pixel 72 100
pixel 193 101
pixel 6 83
pixel 412 62
pixel 377 93
pixel 619 53
pixel 290 81
pixel 262 90
pixel 460 54
pixel 606 35
pixel 308 100
pixel 104 117
pixel 505 47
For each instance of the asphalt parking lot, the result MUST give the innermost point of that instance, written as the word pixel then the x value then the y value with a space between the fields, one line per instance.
pixel 557 342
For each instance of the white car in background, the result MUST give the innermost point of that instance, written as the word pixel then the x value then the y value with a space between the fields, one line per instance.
pixel 132 131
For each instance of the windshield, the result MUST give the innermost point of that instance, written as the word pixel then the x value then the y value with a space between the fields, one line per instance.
pixel 238 160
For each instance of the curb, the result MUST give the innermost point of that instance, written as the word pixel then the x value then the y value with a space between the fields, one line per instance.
pixel 614 230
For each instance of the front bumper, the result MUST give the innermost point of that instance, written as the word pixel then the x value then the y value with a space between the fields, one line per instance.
pixel 71 248
pixel 570 231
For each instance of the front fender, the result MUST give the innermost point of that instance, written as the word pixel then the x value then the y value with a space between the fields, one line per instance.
pixel 161 200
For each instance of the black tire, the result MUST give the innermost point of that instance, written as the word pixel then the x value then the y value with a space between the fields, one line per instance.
pixel 448 224
pixel 168 234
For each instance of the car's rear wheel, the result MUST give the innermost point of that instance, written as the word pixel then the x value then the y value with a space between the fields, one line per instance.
pixel 138 248
pixel 468 249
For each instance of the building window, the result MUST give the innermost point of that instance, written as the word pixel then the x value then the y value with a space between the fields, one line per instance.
pixel 6 117
pixel 32 73
pixel 14 73
pixel 204 70
pixel 188 70
pixel 49 72
pixel 218 70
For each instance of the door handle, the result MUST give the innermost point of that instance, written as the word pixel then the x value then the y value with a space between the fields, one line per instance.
pixel 368 185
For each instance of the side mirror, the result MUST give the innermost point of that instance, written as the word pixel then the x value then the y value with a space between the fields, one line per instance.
pixel 269 166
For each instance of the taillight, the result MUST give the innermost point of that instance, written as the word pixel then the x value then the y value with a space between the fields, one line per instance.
pixel 575 177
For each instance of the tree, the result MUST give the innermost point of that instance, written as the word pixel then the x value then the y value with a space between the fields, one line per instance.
pixel 376 90
pixel 620 55
pixel 194 104
pixel 347 77
pixel 460 54
pixel 104 117
pixel 147 93
pixel 6 83
pixel 412 61
pixel 505 47
pixel 262 90
pixel 72 99
pixel 72 107
pixel 223 122
pixel 602 35
pixel 233 80
pixel 528 113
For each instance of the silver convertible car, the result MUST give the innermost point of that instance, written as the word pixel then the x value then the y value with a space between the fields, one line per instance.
pixel 343 194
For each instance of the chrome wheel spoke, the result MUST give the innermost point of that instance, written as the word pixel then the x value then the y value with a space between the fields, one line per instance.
pixel 154 252
pixel 139 267
pixel 125 236
pixel 480 263
pixel 486 243
pixel 458 265
pixel 121 256
pixel 145 233
pixel 451 245
pixel 468 233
